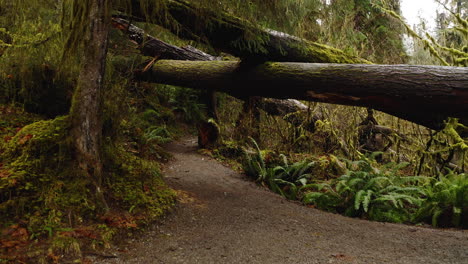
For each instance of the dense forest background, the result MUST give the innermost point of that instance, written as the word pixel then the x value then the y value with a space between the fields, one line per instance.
pixel 350 160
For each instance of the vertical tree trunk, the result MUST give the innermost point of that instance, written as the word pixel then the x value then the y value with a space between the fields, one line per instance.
pixel 86 107
pixel 208 130
pixel 248 122
pixel 211 104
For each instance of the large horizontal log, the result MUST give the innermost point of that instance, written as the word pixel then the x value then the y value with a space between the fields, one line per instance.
pixel 151 46
pixel 422 94
pixel 236 36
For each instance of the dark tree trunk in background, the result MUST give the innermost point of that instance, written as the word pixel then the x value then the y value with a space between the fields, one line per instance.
pixel 208 130
pixel 248 122
pixel 86 107
pixel 211 104
pixel 425 95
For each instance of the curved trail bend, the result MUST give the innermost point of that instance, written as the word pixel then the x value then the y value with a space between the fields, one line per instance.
pixel 223 218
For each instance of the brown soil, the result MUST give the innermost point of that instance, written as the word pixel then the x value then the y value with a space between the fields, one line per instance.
pixel 224 218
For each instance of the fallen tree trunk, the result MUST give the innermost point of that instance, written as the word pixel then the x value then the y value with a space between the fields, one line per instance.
pixel 425 95
pixel 236 36
pixel 153 47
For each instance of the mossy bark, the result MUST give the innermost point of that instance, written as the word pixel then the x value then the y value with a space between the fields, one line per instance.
pixel 423 94
pixel 86 131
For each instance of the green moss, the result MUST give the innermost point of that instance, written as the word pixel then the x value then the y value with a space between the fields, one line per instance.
pixel 40 184
pixel 325 54
pixel 37 186
pixel 31 155
pixel 34 140
pixel 136 185
pixel 13 118
pixel 230 150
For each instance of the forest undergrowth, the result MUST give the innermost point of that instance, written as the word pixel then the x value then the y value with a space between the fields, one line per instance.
pixel 348 160
pixel 402 185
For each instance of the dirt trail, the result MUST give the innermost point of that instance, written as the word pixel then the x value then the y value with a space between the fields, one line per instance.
pixel 223 218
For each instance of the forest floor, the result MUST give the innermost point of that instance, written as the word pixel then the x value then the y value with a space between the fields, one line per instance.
pixel 222 217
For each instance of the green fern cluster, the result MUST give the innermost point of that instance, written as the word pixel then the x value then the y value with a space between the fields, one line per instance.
pixel 286 179
pixel 365 191
pixel 157 135
pixel 446 201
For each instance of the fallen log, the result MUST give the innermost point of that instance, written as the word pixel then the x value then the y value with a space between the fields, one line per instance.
pixel 153 47
pixel 234 35
pixel 425 95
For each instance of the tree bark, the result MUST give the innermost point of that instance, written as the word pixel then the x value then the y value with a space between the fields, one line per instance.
pixel 86 106
pixel 425 95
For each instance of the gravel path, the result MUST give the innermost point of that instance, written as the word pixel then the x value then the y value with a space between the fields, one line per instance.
pixel 224 218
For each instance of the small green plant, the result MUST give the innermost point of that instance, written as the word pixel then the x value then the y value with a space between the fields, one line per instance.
pixel 254 164
pixel 446 201
pixel 157 135
pixel 323 196
pixel 282 179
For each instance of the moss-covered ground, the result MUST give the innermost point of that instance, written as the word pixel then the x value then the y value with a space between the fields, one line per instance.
pixel 47 208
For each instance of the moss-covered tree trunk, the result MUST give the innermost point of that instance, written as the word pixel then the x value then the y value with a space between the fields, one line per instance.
pixel 236 36
pixel 86 107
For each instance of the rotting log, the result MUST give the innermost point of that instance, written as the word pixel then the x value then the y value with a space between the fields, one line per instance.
pixel 425 95
pixel 236 36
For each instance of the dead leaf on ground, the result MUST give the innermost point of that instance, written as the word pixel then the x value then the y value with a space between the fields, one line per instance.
pixel 120 221
pixel 16 232
pixel 343 257
pixel 25 139
pixel 53 258
pixel 189 198
pixel 4 174
pixel 81 233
